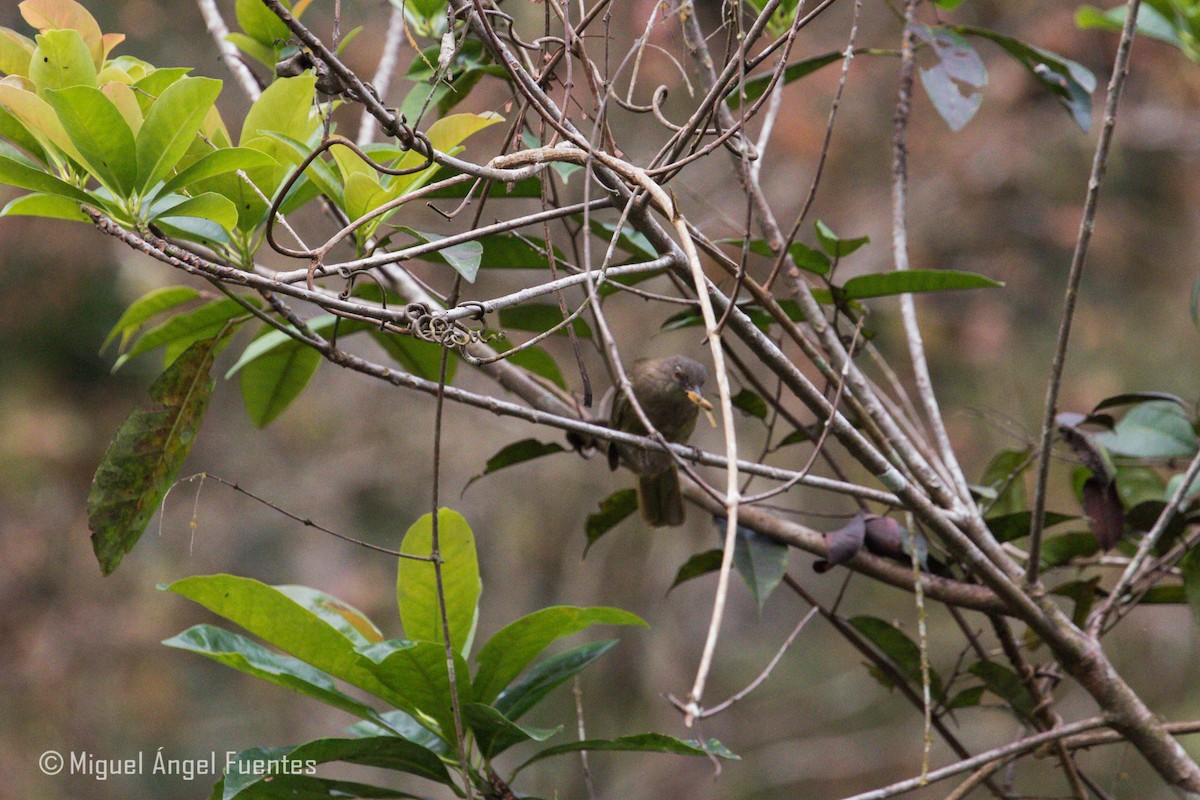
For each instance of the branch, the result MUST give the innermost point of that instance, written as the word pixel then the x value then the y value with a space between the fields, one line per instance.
pixel 1087 224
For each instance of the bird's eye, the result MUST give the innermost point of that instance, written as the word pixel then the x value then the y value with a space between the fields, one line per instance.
pixel 679 375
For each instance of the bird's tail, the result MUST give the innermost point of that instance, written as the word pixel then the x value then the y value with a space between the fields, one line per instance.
pixel 660 499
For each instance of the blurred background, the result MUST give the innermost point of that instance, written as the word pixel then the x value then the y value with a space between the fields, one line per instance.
pixel 81 667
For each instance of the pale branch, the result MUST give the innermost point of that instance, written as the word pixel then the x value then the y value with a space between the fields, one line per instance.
pixel 908 309
pixel 382 81
pixel 232 57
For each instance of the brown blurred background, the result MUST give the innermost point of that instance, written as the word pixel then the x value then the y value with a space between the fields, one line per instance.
pixel 82 668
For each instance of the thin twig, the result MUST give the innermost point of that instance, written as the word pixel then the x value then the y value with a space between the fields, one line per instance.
pixel 1087 224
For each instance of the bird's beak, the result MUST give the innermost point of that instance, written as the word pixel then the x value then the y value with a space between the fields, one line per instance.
pixel 703 403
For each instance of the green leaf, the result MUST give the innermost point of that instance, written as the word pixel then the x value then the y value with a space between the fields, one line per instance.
pixel 514 646
pixel 416 586
pixel 613 509
pixel 102 136
pixel 516 453
pixel 1157 429
pixel 1150 22
pixel 45 205
pixel 1061 549
pixel 404 724
pixel 341 616
pixel 417 671
pixel 218 162
pixel 1190 567
pixel 145 455
pixel 967 698
pixel 761 561
pixel 171 126
pixel 271 614
pixel 1005 470
pixel 12 129
pixel 302 786
pixel 697 565
pixel 1009 527
pixel 153 302
pixel 508 251
pixel 260 24
pixel 155 83
pixel 539 362
pixel 640 743
pixel 236 651
pixel 275 765
pixel 1083 593
pixel 1070 83
pixel 207 205
pixel 421 358
pixel 1133 398
pixel 61 60
pixel 755 87
pixel 495 733
pixel 15 173
pixel 16 52
pixel 835 246
pixel 529 690
pixel 750 403
pixel 913 281
pixel 899 649
pixel 183 329
pixel 540 317
pixel 272 381
pixel 1005 684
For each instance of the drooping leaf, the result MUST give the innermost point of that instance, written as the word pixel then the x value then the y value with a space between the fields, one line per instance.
pixel 750 403
pixel 514 646
pixel 954 83
pixel 613 509
pixel 181 330
pixel 899 649
pixel 416 585
pixel 1150 23
pixel 754 87
pixel 272 381
pixel 1070 83
pixel 516 453
pixel 146 454
pixel 495 733
pixel 760 560
pixel 259 23
pixel 421 358
pixel 1005 684
pixel 148 305
pixel 697 565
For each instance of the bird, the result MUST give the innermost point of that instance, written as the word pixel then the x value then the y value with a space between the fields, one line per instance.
pixel 669 391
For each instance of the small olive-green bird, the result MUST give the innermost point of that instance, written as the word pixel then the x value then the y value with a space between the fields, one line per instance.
pixel 668 390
